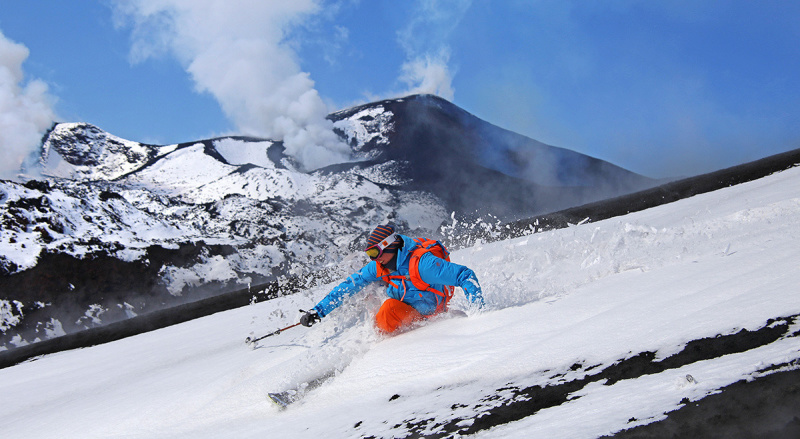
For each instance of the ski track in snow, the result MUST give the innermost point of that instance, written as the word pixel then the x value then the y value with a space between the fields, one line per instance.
pixel 561 306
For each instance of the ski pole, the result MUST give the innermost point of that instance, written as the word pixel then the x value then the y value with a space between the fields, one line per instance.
pixel 253 340
pixel 249 340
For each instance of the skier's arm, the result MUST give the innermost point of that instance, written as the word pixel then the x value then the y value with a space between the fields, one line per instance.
pixel 434 270
pixel 353 284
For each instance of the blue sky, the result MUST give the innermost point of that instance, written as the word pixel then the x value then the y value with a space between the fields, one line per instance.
pixel 660 88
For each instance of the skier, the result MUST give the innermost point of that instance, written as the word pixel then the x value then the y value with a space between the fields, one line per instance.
pixel 418 275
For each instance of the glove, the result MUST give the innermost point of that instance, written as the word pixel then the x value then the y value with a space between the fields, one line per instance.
pixel 309 318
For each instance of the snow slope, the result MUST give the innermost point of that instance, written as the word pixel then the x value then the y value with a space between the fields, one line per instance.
pixel 567 311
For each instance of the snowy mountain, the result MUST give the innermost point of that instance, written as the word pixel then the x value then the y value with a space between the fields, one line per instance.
pixel 679 320
pixel 114 228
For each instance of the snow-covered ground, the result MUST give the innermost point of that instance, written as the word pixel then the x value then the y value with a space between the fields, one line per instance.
pixel 561 306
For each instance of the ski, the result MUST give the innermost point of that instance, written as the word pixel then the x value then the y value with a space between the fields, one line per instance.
pixel 282 399
pixel 288 397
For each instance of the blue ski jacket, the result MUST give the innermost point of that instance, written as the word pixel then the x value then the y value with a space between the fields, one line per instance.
pixel 433 270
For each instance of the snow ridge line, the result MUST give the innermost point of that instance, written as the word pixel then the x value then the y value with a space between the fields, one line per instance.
pixel 513 403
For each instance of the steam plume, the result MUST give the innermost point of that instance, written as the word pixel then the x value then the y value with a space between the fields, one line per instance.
pixel 25 109
pixel 238 51
pixel 424 41
pixel 429 74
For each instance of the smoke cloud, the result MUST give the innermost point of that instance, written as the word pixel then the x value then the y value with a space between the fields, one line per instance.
pixel 240 53
pixel 429 74
pixel 26 109
pixel 424 41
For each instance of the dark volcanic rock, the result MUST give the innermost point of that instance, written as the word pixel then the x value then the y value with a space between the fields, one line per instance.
pixel 766 408
pixel 115 289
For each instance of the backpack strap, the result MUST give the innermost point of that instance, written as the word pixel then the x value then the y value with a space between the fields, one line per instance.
pixel 385 275
pixel 430 246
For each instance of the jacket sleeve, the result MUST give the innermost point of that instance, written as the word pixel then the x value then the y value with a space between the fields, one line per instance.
pixel 434 270
pixel 353 284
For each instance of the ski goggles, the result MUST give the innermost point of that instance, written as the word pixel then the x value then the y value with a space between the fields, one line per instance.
pixel 375 251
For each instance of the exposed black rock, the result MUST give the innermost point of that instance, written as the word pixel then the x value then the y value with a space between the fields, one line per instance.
pixel 765 408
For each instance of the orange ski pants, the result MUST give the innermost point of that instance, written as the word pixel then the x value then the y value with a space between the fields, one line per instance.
pixel 395 314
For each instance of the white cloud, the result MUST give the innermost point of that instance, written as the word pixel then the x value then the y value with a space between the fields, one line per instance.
pixel 26 110
pixel 238 52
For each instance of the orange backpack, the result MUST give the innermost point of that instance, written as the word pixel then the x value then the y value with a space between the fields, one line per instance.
pixel 423 245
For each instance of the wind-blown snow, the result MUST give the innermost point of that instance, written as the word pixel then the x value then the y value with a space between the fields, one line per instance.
pixel 589 295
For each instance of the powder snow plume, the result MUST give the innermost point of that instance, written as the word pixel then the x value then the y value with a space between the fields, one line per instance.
pixel 25 109
pixel 239 52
